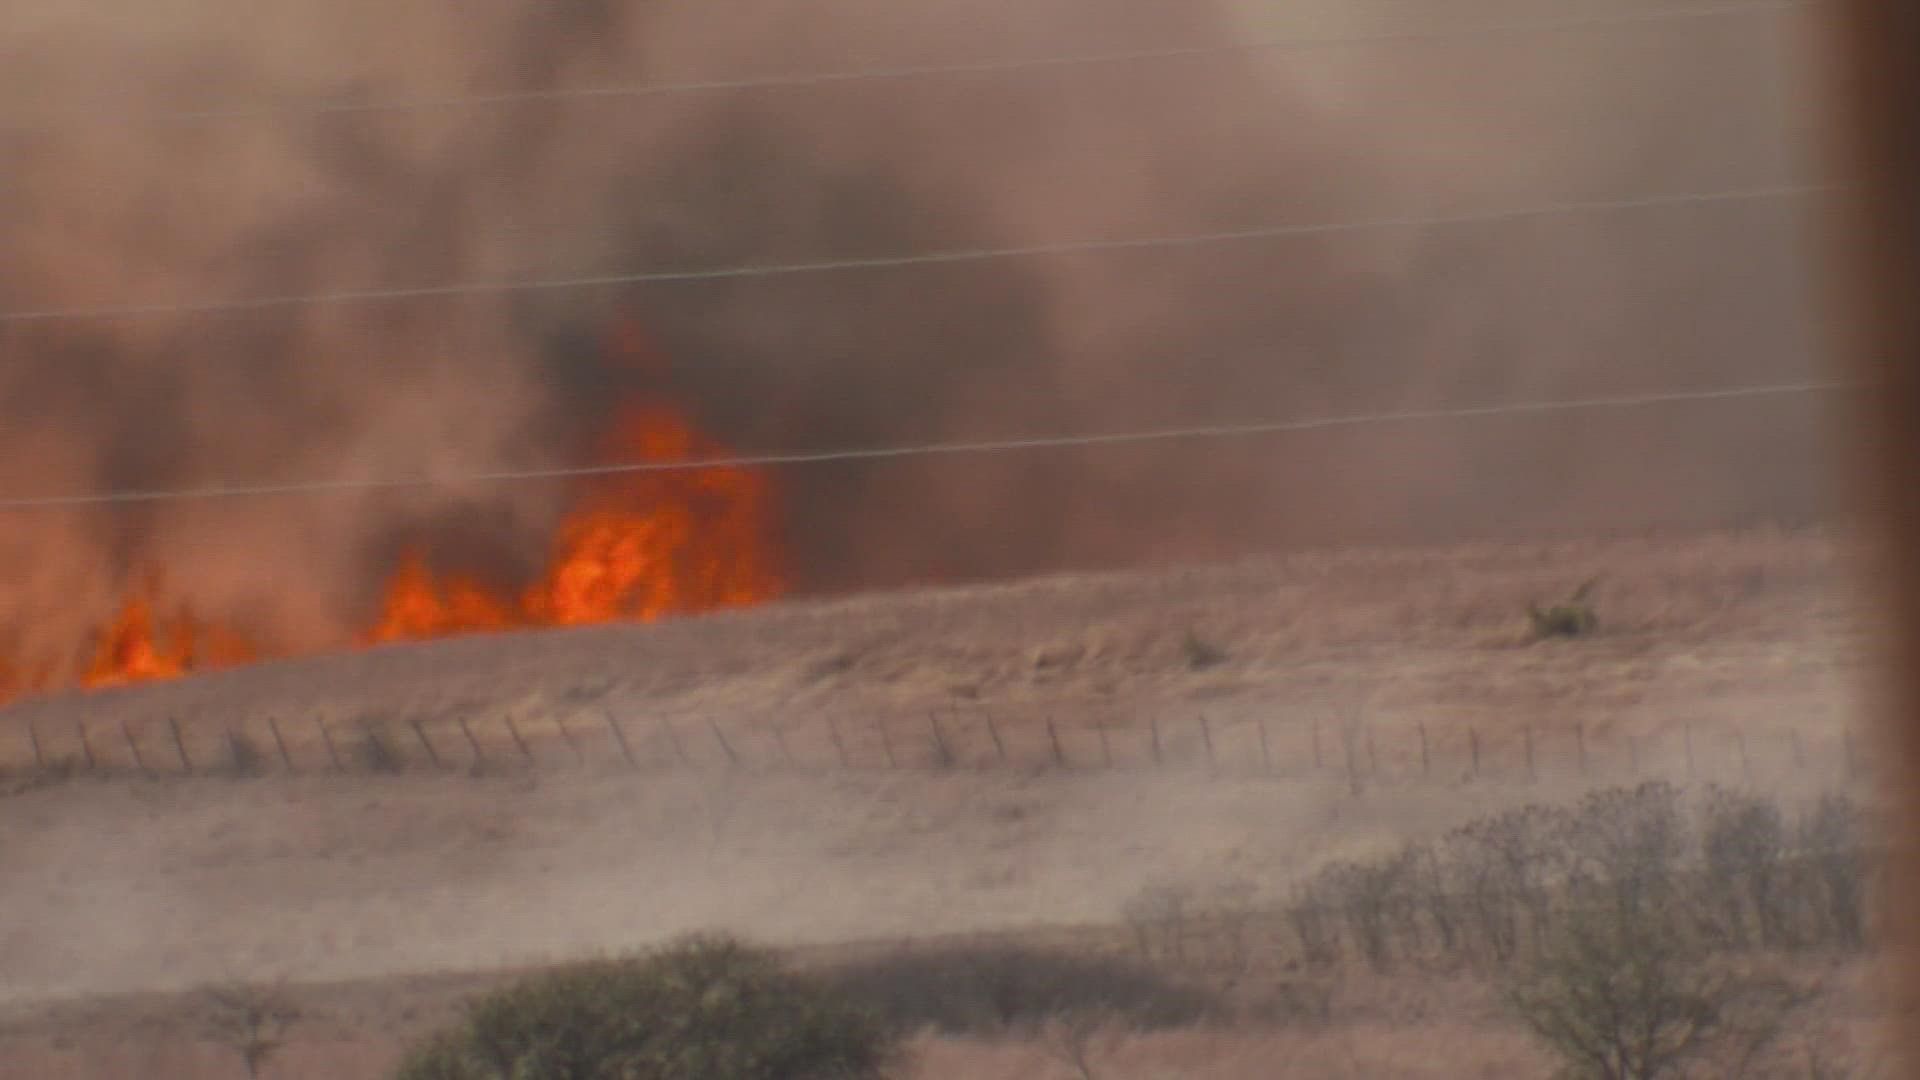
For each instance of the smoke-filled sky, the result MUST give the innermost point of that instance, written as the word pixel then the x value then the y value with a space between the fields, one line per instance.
pixel 103 204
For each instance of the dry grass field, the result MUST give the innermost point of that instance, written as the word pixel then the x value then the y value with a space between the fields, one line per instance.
pixel 755 793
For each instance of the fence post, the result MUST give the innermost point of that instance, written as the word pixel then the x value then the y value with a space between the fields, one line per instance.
pixel 33 737
pixel 620 737
pixel 780 739
pixel 1686 730
pixel 1206 740
pixel 273 725
pixel 566 733
pixel 1580 743
pixel 1426 755
pixel 1317 764
pixel 1746 764
pixel 1633 756
pixel 999 748
pixel 839 744
pixel 1353 769
pixel 1473 745
pixel 420 733
pixel 86 745
pixel 942 754
pixel 1532 773
pixel 1266 751
pixel 132 747
pixel 1106 747
pixel 513 729
pixel 1153 721
pixel 333 752
pixel 1053 736
pixel 180 744
pixel 733 760
pixel 886 742
pixel 479 754
pixel 673 737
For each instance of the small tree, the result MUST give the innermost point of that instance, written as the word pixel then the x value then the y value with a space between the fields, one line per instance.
pixel 252 1021
pixel 1622 995
pixel 707 1008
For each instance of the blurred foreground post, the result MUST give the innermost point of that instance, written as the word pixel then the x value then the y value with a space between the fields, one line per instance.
pixel 1874 65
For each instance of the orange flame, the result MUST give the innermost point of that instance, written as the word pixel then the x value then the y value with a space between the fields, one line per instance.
pixel 639 545
pixel 138 647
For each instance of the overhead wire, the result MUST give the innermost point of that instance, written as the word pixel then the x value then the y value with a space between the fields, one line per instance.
pixel 322 106
pixel 346 485
pixel 887 262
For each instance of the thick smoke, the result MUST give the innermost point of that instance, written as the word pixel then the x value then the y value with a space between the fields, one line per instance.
pixel 103 204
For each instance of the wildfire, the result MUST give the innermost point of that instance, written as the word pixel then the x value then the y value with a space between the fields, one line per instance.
pixel 638 545
pixel 138 646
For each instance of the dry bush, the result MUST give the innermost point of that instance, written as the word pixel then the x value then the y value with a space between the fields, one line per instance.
pixel 1378 904
pixel 1200 653
pixel 1500 872
pixel 253 1021
pixel 1160 916
pixel 702 1009
pixel 1572 619
pixel 1628 845
pixel 1745 891
pixel 1837 870
pixel 1316 926
pixel 988 989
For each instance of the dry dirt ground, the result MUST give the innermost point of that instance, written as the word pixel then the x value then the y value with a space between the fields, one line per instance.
pixel 1733 656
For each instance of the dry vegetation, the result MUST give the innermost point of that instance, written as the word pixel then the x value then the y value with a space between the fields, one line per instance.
pixel 1034 922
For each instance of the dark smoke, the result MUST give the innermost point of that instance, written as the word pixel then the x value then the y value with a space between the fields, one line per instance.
pixel 98 206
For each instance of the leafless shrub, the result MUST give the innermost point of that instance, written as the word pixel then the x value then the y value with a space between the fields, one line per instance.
pixel 1200 653
pixel 988 989
pixel 1377 904
pixel 1315 925
pixel 1296 999
pixel 1831 841
pixel 1081 1039
pixel 1745 885
pixel 1628 845
pixel 1159 915
pixel 254 1022
pixel 1500 872
pixel 1229 909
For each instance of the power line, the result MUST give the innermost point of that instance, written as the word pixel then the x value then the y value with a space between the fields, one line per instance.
pixel 990 67
pixel 995 446
pixel 935 258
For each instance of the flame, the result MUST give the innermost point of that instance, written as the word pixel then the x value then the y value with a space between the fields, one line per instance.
pixel 419 606
pixel 638 545
pixel 138 646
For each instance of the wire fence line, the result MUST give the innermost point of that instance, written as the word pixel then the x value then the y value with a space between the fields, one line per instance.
pixel 120 112
pixel 1361 754
pixel 1221 431
pixel 894 262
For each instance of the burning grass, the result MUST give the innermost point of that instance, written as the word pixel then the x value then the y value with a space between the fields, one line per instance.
pixel 636 546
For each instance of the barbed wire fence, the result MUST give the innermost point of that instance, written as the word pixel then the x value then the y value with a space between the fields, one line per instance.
pixel 1064 737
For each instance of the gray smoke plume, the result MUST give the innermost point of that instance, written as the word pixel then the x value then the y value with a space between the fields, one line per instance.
pixel 102 204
